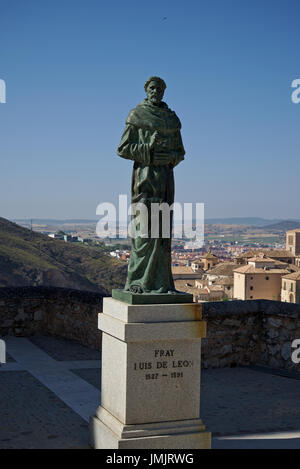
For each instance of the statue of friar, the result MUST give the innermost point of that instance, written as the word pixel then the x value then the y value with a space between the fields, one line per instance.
pixel 153 141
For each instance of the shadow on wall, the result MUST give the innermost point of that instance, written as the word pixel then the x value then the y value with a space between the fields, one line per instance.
pixel 239 333
pixel 72 314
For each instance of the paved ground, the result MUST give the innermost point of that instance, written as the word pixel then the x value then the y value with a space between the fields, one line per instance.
pixel 49 387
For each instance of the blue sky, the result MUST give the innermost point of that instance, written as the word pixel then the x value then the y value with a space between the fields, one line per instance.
pixel 73 70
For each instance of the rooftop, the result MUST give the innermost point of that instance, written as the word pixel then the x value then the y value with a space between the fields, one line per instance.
pixel 184 270
pixel 183 284
pixel 226 281
pixel 180 269
pixel 261 258
pixel 209 255
pixel 250 269
pixel 223 268
pixel 273 253
pixel 293 276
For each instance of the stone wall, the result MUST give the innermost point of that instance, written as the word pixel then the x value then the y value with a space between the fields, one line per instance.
pixel 250 332
pixel 72 314
pixel 239 333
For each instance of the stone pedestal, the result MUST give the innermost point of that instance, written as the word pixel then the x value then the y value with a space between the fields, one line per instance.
pixel 151 364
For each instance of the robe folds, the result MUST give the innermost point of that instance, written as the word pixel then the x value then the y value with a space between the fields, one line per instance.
pixel 150 260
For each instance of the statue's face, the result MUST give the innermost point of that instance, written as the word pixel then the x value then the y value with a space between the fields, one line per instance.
pixel 155 92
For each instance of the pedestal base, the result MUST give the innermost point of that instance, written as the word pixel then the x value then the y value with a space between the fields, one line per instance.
pixel 187 434
pixel 151 298
pixel 151 365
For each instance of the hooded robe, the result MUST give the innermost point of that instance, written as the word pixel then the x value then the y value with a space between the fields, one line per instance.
pixel 150 260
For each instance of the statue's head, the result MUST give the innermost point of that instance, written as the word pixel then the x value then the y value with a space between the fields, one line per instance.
pixel 155 88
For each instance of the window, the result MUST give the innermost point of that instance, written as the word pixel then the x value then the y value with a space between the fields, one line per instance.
pixel 251 288
pixel 284 286
pixel 267 278
pixel 251 297
pixel 292 287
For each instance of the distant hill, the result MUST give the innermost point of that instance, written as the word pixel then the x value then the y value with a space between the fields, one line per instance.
pixel 250 221
pixel 283 226
pixel 53 221
pixel 29 258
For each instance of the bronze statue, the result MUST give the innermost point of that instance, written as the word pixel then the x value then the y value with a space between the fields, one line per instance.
pixel 153 141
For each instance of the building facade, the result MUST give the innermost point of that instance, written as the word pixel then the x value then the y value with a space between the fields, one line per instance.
pixel 293 244
pixel 290 292
pixel 261 278
pixel 209 260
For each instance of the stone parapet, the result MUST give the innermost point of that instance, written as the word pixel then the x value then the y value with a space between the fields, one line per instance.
pixel 239 333
pixel 242 333
pixel 72 314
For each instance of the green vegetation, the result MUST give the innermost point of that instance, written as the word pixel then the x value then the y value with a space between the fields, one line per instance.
pixel 30 258
pixel 115 247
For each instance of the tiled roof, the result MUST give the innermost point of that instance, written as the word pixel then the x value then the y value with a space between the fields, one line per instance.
pixel 209 255
pixel 180 269
pixel 261 259
pixel 213 288
pixel 225 281
pixel 268 252
pixel 290 267
pixel 293 276
pixel 250 269
pixel 182 284
pixel 223 268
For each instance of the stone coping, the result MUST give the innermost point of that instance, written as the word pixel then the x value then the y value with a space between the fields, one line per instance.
pixel 210 309
pixel 243 308
pixel 50 293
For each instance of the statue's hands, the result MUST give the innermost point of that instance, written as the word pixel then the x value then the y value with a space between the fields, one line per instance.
pixel 157 148
pixel 153 140
pixel 160 156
